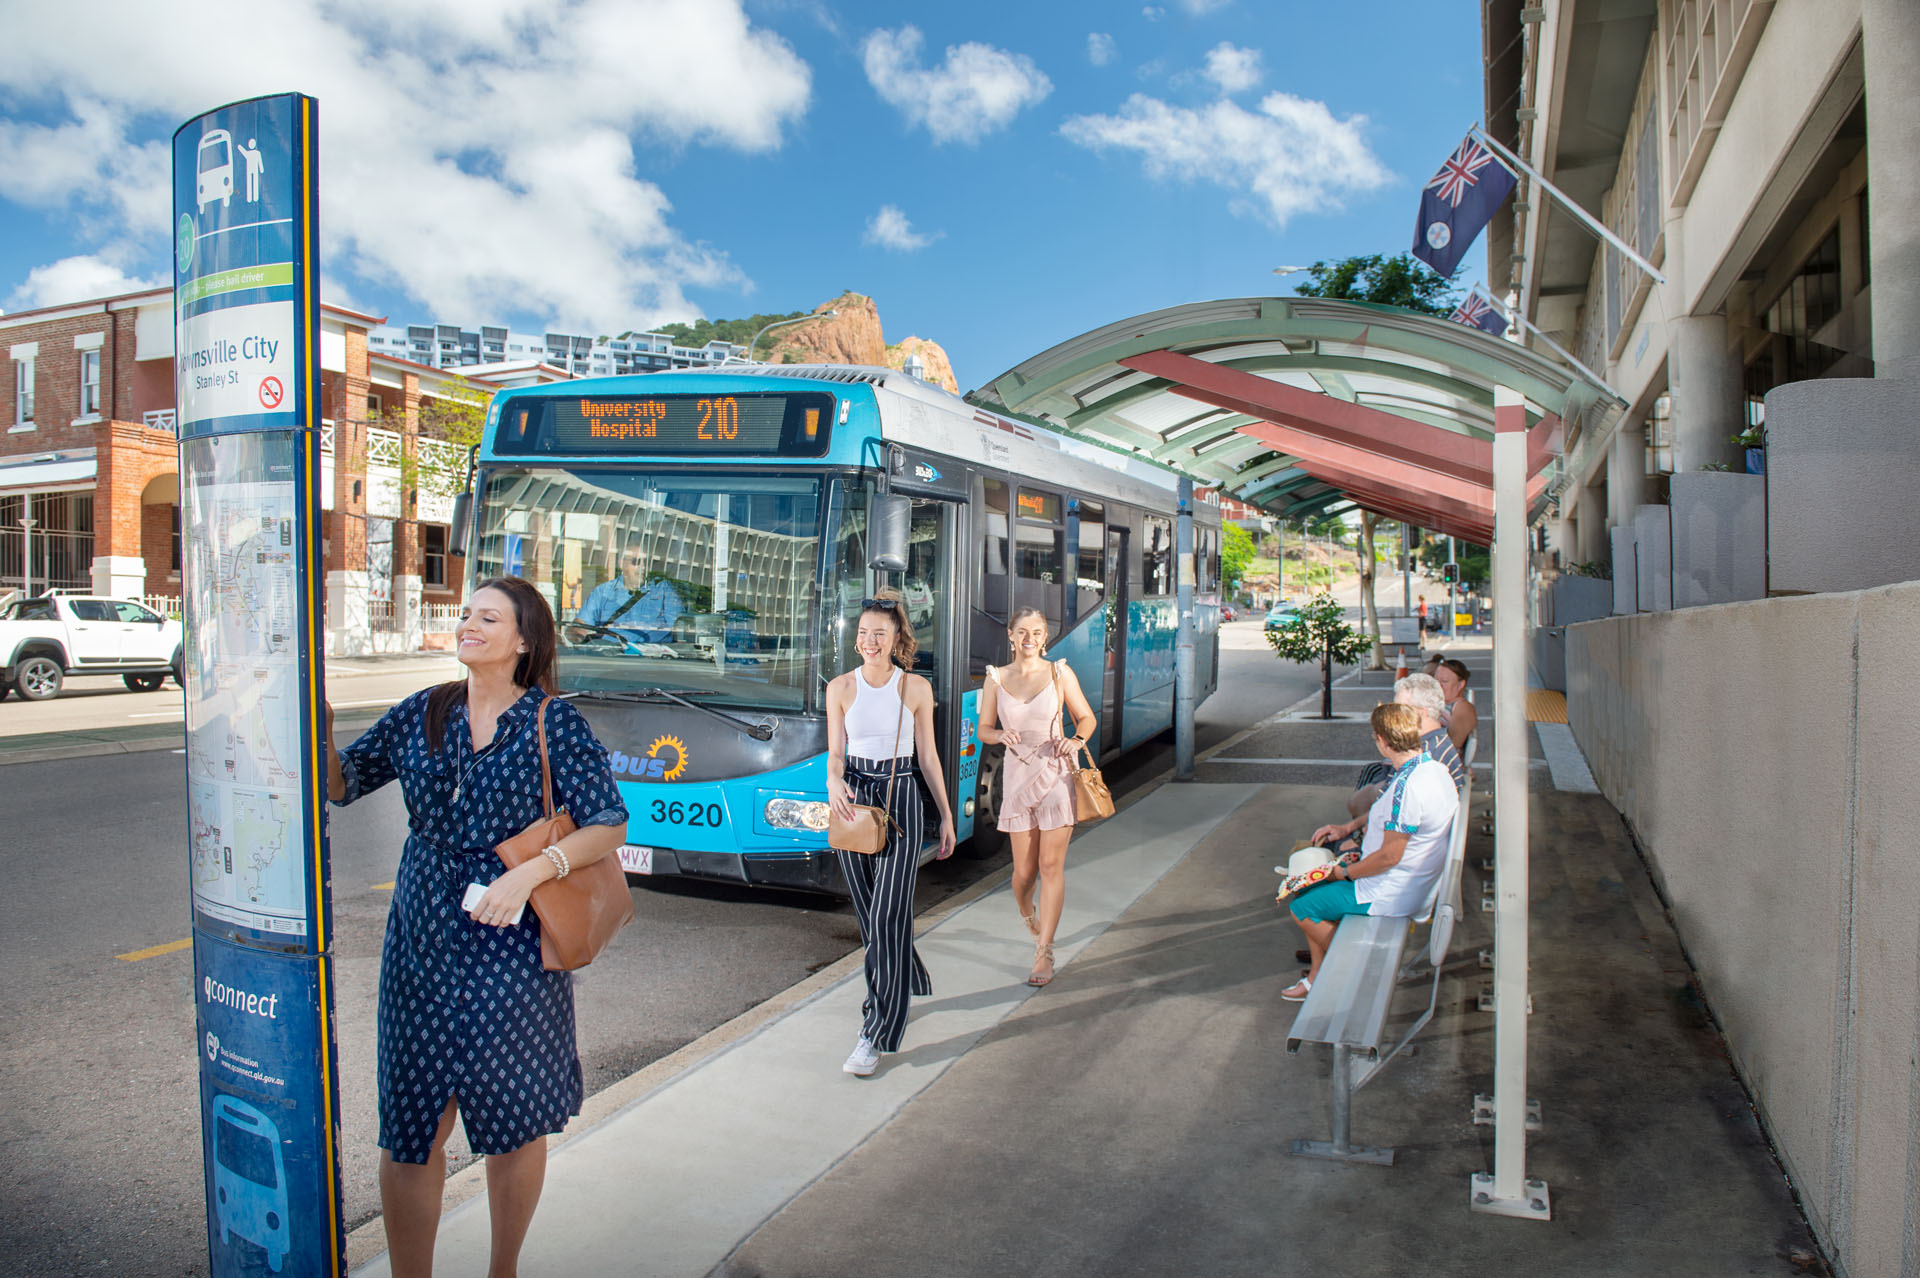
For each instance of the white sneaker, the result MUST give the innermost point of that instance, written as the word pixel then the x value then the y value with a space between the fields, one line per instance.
pixel 864 1059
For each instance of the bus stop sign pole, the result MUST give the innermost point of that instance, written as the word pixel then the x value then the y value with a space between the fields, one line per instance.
pixel 247 400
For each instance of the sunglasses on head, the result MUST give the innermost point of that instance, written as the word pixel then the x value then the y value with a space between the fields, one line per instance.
pixel 883 605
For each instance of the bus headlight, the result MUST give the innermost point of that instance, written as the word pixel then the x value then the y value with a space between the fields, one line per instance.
pixel 796 814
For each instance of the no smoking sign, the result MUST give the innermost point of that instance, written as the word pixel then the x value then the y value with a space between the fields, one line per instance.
pixel 271 392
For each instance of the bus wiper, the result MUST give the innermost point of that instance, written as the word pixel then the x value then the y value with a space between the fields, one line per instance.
pixel 762 731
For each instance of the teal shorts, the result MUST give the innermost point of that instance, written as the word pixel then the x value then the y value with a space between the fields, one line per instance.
pixel 1328 902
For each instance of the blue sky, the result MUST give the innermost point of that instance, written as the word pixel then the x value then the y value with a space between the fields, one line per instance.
pixel 998 176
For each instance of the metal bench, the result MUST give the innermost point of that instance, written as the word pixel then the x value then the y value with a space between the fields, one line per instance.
pixel 1353 995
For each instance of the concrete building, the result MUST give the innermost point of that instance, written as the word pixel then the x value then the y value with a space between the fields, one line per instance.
pixel 89 469
pixel 1764 155
pixel 1728 142
pixel 577 355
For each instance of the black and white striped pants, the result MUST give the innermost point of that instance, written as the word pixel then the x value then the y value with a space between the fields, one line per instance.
pixel 882 888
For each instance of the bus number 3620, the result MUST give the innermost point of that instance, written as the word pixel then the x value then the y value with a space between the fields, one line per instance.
pixel 677 813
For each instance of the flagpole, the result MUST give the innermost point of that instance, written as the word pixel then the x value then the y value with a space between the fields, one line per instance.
pixel 1514 316
pixel 1567 202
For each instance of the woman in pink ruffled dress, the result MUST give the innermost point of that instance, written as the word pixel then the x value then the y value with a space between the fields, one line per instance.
pixel 1020 709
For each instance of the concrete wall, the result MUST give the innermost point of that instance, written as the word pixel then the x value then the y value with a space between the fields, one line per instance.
pixel 1842 471
pixel 1719 537
pixel 1761 753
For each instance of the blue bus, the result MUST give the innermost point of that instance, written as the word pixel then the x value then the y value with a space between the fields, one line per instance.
pixel 706 539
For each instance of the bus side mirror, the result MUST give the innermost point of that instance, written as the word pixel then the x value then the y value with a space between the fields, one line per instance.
pixel 462 516
pixel 888 523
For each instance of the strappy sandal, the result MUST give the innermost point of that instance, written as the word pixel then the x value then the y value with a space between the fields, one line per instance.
pixel 1304 985
pixel 1042 966
pixel 1033 923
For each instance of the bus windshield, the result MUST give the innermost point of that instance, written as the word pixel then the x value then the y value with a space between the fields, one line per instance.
pixel 699 584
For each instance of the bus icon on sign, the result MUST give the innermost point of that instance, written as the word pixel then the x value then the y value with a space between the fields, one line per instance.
pixel 214 166
pixel 249 1178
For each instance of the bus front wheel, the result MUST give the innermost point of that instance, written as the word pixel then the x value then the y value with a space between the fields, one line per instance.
pixel 986 838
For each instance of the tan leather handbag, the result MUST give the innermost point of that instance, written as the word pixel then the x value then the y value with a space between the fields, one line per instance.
pixel 867 831
pixel 580 913
pixel 1091 798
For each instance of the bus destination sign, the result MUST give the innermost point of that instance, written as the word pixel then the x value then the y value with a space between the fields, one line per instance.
pixel 682 425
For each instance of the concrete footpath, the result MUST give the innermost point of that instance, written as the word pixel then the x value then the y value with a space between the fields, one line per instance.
pixel 1134 1116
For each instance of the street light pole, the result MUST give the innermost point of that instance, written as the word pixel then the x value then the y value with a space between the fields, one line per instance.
pixel 798 319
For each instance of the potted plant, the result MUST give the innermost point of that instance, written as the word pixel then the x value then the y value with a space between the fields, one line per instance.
pixel 1754 440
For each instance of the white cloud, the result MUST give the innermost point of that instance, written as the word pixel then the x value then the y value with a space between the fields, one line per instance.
pixel 1101 49
pixel 476 155
pixel 890 229
pixel 75 279
pixel 1291 156
pixel 976 91
pixel 1200 8
pixel 1233 68
pixel 1153 13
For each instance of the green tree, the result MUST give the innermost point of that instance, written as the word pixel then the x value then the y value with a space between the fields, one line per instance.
pixel 1401 280
pixel 458 416
pixel 1236 552
pixel 737 331
pixel 1318 632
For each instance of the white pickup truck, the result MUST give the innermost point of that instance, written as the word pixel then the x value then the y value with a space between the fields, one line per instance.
pixel 47 638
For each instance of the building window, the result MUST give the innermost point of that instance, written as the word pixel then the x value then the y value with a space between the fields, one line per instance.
pixel 1660 437
pixel 433 550
pixel 89 383
pixel 22 391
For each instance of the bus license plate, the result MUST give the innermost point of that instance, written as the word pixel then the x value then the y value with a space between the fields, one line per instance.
pixel 635 859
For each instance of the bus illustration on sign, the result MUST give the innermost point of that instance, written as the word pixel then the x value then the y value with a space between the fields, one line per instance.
pixel 214 166
pixel 249 1178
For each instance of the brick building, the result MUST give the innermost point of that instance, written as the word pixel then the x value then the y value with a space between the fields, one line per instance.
pixel 89 466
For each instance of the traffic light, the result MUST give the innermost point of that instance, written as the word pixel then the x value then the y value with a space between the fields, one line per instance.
pixel 1413 538
pixel 1450 573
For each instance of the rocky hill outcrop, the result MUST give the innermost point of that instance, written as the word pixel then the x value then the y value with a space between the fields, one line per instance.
pixel 854 337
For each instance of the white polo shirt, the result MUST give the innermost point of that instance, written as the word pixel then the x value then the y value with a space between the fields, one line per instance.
pixel 1419 801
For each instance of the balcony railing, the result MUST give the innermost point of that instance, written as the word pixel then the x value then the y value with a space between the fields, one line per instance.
pixel 160 419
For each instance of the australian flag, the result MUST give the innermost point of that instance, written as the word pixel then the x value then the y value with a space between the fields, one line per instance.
pixel 1458 202
pixel 1477 312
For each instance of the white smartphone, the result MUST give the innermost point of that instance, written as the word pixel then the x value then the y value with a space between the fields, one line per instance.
pixel 477 890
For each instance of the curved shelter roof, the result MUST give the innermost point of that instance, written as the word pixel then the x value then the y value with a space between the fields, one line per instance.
pixel 1303 404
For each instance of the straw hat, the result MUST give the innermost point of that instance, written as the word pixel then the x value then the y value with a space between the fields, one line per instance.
pixel 1308 858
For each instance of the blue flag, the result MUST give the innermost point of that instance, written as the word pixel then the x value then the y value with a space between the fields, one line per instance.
pixel 1457 204
pixel 1476 312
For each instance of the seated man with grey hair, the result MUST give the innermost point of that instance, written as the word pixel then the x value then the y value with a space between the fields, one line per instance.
pixel 1423 693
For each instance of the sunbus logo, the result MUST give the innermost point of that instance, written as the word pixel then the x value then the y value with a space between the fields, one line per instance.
pixel 665 760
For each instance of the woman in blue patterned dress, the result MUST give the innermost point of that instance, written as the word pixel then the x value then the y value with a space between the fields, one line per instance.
pixel 469 1022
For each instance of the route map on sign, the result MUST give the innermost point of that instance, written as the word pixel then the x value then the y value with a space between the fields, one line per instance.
pixel 244 766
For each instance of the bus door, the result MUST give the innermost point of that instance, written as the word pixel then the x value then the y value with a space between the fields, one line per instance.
pixel 928 583
pixel 1113 680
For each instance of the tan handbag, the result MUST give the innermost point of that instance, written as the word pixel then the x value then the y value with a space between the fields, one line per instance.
pixel 1091 798
pixel 867 832
pixel 580 913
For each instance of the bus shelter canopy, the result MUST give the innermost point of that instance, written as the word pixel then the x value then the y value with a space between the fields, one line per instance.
pixel 1302 405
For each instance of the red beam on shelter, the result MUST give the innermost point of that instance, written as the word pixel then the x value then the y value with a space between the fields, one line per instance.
pixel 1338 421
pixel 1388 471
pixel 1432 508
pixel 1356 425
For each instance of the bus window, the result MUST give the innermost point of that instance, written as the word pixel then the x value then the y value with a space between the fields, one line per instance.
pixel 1156 557
pixel 1089 568
pixel 1039 581
pixel 993 549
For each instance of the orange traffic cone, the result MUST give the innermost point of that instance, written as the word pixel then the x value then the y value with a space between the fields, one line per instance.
pixel 1400 671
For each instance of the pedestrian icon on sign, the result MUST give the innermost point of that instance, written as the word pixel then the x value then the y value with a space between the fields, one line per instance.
pixel 250 153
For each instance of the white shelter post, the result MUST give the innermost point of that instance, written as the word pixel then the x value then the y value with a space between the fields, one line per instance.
pixel 1508 1192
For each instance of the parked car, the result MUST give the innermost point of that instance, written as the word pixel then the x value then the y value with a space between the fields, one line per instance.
pixel 1280 614
pixel 51 636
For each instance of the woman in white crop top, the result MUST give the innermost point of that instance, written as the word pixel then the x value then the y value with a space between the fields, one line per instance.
pixel 880 729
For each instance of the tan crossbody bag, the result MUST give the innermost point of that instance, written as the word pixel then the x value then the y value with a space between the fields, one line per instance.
pixel 867 831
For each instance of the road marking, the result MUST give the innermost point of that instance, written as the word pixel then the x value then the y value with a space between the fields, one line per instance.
pixel 382 887
pixel 159 714
pixel 155 951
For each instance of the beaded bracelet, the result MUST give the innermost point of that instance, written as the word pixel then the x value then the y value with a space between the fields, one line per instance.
pixel 559 860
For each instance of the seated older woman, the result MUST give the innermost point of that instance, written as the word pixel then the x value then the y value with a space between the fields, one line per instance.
pixel 1403 853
